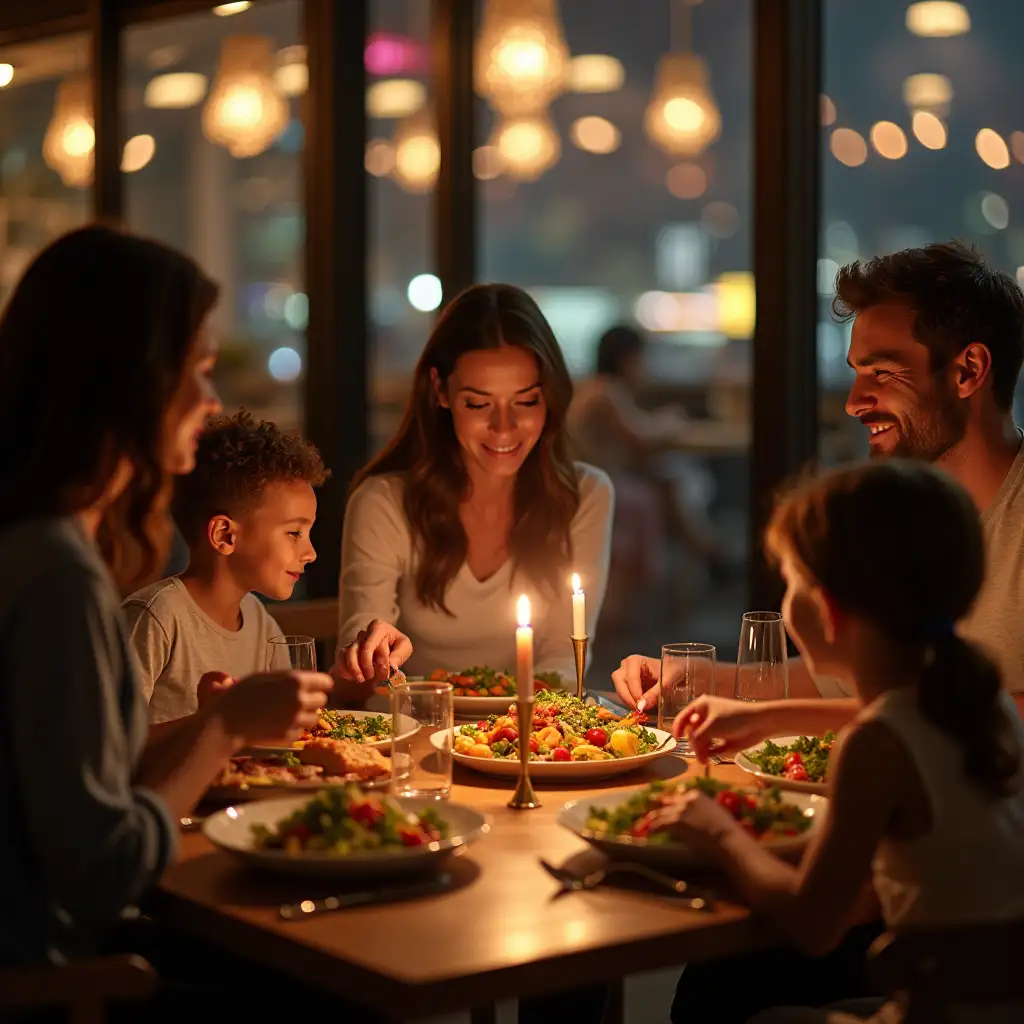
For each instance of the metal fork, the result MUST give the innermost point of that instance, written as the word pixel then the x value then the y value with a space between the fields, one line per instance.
pixel 570 881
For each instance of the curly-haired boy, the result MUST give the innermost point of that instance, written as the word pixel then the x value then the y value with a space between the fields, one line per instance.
pixel 245 513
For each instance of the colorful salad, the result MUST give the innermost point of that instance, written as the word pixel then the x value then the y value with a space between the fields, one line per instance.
pixel 564 729
pixel 805 760
pixel 339 725
pixel 345 820
pixel 764 814
pixel 483 681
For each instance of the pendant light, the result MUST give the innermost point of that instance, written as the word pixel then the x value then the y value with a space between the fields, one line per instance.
pixel 70 140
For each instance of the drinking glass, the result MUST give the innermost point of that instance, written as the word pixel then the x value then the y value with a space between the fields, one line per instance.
pixel 762 672
pixel 687 671
pixel 421 765
pixel 298 652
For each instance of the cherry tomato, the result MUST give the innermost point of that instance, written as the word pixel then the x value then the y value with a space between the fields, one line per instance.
pixel 560 754
pixel 300 832
pixel 539 684
pixel 750 802
pixel 792 758
pixel 411 836
pixel 533 745
pixel 508 733
pixel 367 812
pixel 481 725
pixel 796 773
pixel 597 737
pixel 730 800
pixel 641 829
pixel 640 718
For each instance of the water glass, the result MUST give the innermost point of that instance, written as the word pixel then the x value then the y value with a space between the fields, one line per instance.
pixel 422 726
pixel 687 671
pixel 762 671
pixel 285 652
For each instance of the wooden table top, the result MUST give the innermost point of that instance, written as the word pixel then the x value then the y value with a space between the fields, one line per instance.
pixel 496 934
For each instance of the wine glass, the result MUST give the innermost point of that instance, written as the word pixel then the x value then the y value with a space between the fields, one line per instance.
pixel 297 652
pixel 687 671
pixel 762 671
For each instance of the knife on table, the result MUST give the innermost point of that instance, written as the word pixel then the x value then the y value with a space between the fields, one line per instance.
pixel 366 897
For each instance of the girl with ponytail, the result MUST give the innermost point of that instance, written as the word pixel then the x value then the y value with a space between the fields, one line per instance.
pixel 926 781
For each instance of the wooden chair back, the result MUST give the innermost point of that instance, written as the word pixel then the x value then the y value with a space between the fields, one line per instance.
pixel 929 970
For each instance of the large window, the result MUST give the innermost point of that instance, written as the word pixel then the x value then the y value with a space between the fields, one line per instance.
pixel 622 195
pixel 402 161
pixel 212 165
pixel 923 140
pixel 46 146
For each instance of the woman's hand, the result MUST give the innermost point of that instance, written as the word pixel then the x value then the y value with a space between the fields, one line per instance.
pixel 696 820
pixel 636 679
pixel 271 704
pixel 374 652
pixel 722 726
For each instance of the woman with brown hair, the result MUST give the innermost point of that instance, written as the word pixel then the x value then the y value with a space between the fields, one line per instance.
pixel 105 364
pixel 476 499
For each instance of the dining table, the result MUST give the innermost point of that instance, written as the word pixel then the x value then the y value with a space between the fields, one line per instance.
pixel 499 931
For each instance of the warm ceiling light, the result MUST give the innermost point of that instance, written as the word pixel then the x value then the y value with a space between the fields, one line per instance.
pixel 395 98
pixel 175 91
pixel 595 135
pixel 417 154
pixel 70 139
pixel 938 18
pixel 686 181
pixel 928 92
pixel 682 117
pixel 292 79
pixel 992 149
pixel 889 140
pixel 528 146
pixel 929 130
pixel 487 163
pixel 6 74
pixel 245 112
pixel 848 147
pixel 138 151
pixel 521 56
pixel 380 158
pixel 595 72
pixel 224 10
pixel 827 110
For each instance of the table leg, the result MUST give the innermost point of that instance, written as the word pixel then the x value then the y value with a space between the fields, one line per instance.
pixel 616 1010
pixel 484 1015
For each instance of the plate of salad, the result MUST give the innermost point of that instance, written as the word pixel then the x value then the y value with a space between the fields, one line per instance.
pixel 569 740
pixel 619 823
pixel 482 690
pixel 345 832
pixel 364 727
pixel 797 763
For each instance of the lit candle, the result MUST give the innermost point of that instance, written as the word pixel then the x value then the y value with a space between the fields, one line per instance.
pixel 579 609
pixel 524 650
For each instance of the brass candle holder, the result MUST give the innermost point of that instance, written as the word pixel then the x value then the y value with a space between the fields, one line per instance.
pixel 524 798
pixel 579 650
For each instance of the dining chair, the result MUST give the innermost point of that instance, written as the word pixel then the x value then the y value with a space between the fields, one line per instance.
pixel 83 990
pixel 929 970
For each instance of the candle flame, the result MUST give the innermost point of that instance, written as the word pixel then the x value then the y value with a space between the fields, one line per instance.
pixel 523 610
pixel 576 583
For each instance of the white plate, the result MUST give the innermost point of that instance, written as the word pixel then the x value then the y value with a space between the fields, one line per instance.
pixel 410 727
pixel 231 830
pixel 574 816
pixel 744 762
pixel 566 770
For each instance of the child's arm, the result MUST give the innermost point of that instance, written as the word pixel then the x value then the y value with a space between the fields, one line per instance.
pixel 815 903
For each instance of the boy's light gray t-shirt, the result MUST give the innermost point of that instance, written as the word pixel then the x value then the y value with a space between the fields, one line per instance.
pixel 175 642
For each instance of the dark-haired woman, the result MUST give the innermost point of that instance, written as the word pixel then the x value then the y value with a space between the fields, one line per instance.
pixel 926 783
pixel 105 363
pixel 477 500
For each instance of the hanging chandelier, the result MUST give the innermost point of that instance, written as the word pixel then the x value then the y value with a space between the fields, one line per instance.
pixel 521 55
pixel 682 117
pixel 70 140
pixel 245 112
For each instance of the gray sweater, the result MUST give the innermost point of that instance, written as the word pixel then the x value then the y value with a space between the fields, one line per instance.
pixel 79 842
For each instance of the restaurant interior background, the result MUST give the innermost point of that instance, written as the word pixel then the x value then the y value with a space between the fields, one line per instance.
pixel 339 201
